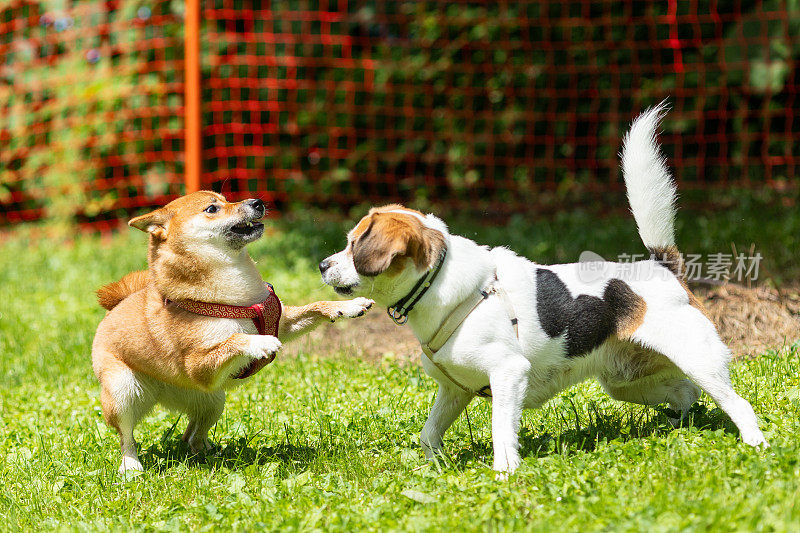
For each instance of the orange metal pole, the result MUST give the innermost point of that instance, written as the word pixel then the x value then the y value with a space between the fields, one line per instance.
pixel 192 116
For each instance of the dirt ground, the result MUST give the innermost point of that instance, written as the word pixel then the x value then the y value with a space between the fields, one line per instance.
pixel 750 320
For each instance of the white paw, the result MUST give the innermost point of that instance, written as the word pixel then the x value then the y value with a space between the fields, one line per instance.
pixel 263 347
pixel 506 467
pixel 130 463
pixel 353 308
pixel 756 440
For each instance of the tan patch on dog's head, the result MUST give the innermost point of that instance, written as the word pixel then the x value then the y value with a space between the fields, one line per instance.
pixel 189 235
pixel 168 220
pixel 395 207
pixel 174 213
pixel 383 238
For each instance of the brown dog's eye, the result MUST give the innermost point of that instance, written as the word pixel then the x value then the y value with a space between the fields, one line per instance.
pixel 213 208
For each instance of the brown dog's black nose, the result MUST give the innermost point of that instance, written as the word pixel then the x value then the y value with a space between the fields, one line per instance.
pixel 256 204
pixel 324 265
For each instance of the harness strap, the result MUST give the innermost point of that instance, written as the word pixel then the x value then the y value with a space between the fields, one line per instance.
pixel 399 311
pixel 500 291
pixel 454 321
pixel 265 315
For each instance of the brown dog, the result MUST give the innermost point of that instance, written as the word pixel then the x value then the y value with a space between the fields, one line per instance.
pixel 198 321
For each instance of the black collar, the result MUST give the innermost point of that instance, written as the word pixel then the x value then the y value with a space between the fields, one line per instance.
pixel 399 311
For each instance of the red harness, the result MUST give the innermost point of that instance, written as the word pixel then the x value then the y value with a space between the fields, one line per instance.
pixel 265 315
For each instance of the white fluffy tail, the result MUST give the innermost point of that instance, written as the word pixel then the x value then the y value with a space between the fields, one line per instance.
pixel 651 189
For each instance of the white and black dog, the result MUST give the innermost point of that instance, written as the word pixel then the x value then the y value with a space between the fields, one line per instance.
pixel 493 323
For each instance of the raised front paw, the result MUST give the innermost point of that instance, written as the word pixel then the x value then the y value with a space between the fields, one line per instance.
pixel 263 347
pixel 352 308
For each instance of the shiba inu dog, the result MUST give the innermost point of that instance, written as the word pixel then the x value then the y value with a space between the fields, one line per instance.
pixel 199 321
pixel 494 324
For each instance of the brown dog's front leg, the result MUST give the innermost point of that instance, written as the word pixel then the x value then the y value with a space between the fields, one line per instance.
pixel 209 368
pixel 297 320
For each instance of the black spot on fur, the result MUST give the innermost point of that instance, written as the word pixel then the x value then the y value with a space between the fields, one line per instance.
pixel 591 322
pixel 621 298
pixel 553 302
pixel 587 320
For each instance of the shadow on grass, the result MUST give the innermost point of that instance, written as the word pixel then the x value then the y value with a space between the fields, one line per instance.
pixel 170 452
pixel 586 435
pixel 593 428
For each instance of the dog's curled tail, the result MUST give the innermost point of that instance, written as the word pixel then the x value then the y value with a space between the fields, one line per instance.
pixel 112 294
pixel 651 188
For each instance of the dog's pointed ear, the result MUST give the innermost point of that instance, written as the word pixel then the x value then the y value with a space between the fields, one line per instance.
pixel 154 223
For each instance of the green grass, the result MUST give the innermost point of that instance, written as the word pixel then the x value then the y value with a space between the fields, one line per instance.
pixel 329 441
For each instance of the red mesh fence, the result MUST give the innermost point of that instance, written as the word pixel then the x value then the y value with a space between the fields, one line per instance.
pixel 91 98
pixel 341 102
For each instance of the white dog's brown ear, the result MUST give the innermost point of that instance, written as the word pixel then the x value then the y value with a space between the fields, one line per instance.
pixel 391 235
pixel 154 223
pixel 374 250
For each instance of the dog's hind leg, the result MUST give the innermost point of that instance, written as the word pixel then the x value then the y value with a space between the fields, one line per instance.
pixel 678 392
pixel 449 403
pixel 125 401
pixel 204 410
pixel 688 339
pixel 637 375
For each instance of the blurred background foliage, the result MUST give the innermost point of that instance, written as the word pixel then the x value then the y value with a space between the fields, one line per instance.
pixel 467 105
pixel 76 88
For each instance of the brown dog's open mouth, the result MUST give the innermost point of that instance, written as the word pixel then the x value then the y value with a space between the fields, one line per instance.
pixel 245 232
pixel 245 229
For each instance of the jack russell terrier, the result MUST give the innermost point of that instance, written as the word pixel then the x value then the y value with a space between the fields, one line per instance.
pixel 492 323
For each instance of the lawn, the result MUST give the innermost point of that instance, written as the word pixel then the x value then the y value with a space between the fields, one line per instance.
pixel 325 439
